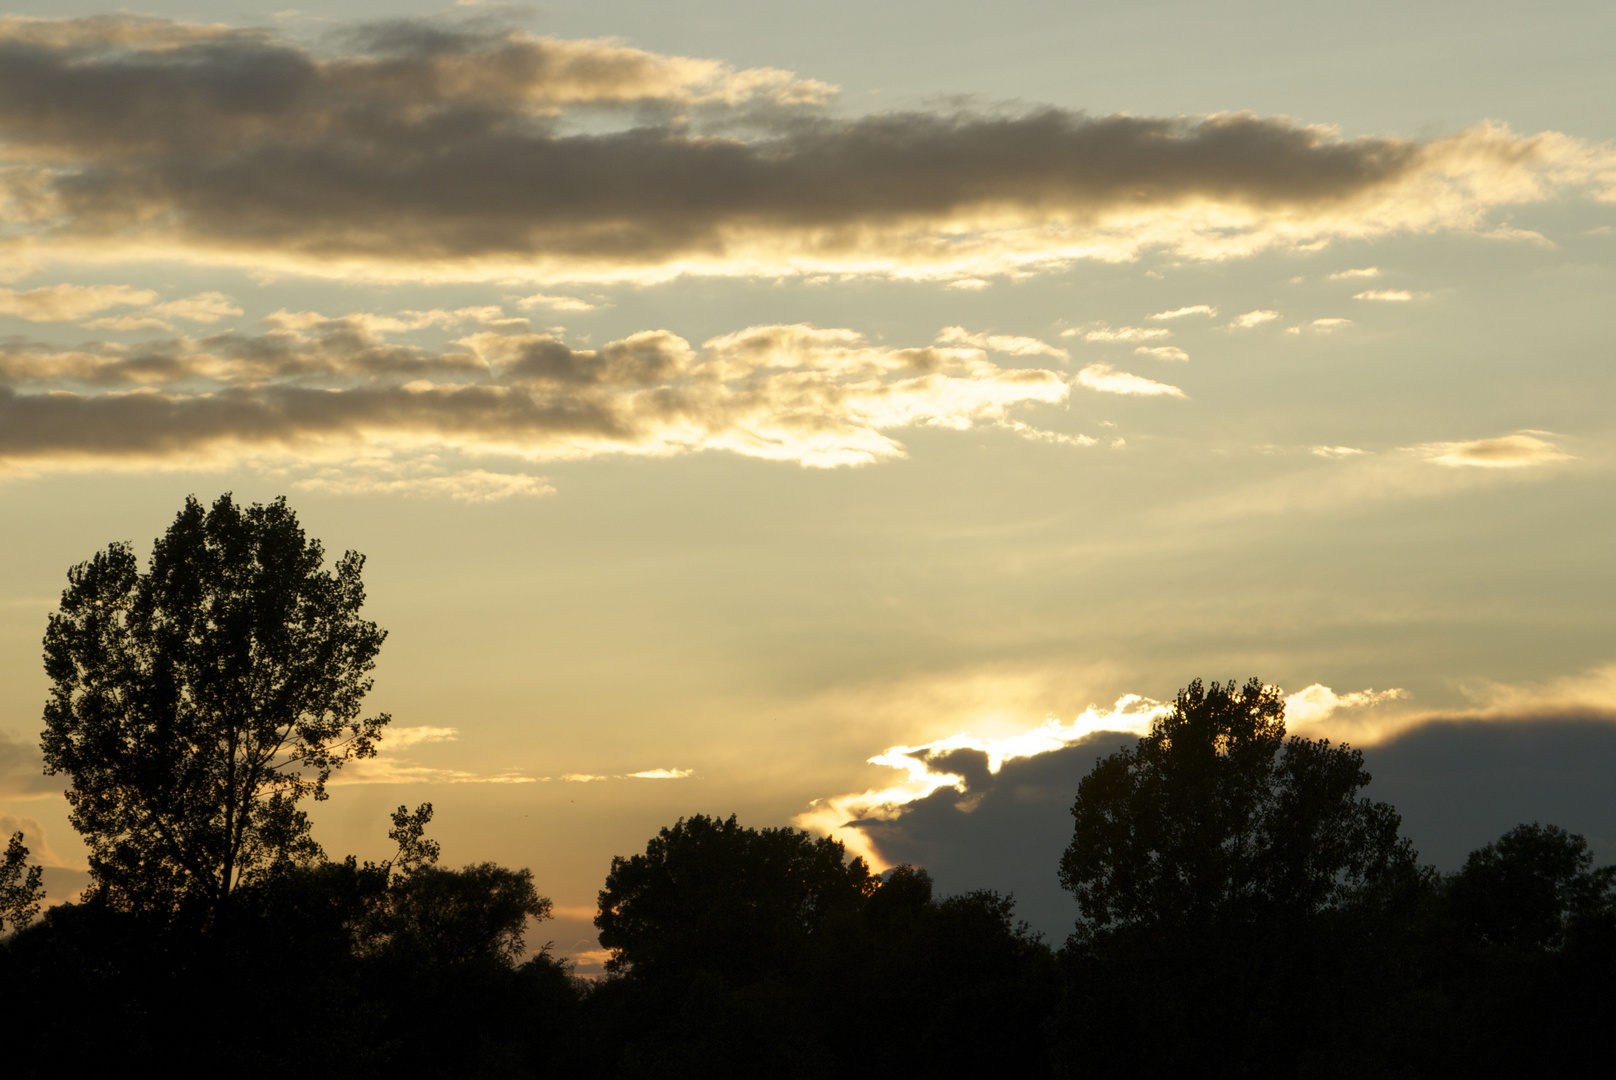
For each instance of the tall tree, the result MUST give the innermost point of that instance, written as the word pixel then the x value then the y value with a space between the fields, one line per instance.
pixel 193 706
pixel 1243 908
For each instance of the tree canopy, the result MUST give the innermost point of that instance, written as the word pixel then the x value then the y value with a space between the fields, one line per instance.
pixel 193 705
pixel 1215 816
pixel 712 894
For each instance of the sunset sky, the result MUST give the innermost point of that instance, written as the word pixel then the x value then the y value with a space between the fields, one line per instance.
pixel 728 394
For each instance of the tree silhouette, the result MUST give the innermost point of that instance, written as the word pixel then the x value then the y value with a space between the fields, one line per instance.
pixel 710 894
pixel 1528 888
pixel 20 886
pixel 1224 876
pixel 194 705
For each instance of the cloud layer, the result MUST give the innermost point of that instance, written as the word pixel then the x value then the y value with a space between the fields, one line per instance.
pixel 342 390
pixel 421 148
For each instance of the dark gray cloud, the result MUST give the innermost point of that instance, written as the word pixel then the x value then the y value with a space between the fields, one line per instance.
pixel 423 145
pixel 1458 784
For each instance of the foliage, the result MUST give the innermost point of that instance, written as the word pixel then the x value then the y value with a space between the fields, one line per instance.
pixel 21 889
pixel 194 705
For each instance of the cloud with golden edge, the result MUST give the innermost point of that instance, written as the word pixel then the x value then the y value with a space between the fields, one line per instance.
pixel 425 150
pixel 1162 352
pixel 1519 451
pixel 1320 711
pixel 834 816
pixel 1361 272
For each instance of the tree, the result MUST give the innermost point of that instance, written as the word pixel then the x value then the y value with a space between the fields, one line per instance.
pixel 1529 888
pixel 21 888
pixel 712 895
pixel 193 706
pixel 1240 903
pixel 1214 817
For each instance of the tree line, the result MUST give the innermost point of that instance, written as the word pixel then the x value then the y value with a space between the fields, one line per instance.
pixel 1243 908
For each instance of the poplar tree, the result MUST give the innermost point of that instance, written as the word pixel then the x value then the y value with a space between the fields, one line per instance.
pixel 193 706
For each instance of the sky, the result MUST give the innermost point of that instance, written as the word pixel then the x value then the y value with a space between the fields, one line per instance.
pixel 855 417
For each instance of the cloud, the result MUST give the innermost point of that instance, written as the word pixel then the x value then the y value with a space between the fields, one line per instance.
pixel 40 852
pixel 1253 318
pixel 1321 326
pixel 398 738
pixel 1009 344
pixel 22 771
pixel 1363 272
pixel 950 762
pixel 416 149
pixel 470 485
pixel 644 774
pixel 555 303
pixel 1457 784
pixel 327 392
pixel 66 303
pixel 1179 313
pixel 205 307
pixel 1126 333
pixel 1107 380
pixel 1337 451
pixel 1318 702
pixel 1394 296
pixel 1162 352
pixel 1521 450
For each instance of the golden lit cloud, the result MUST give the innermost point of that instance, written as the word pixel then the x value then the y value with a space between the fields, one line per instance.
pixel 1253 318
pixel 1521 450
pixel 1317 703
pixel 1009 344
pixel 1394 296
pixel 424 151
pixel 1362 272
pixel 1126 333
pixel 68 303
pixel 1107 380
pixel 1179 313
pixel 1162 352
pixel 1337 451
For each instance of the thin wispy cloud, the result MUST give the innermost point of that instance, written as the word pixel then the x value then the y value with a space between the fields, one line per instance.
pixel 444 153
pixel 1361 272
pixel 1124 333
pixel 1518 451
pixel 1162 352
pixel 1393 296
pixel 1107 380
pixel 1179 313
pixel 1008 344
